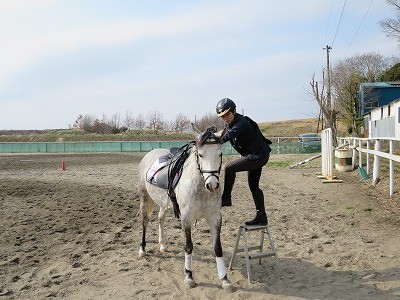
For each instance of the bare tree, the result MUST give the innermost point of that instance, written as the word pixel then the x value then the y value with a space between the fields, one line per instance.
pixel 327 109
pixel 115 121
pixel 155 120
pixel 129 120
pixel 370 65
pixel 140 122
pixel 78 122
pixel 391 26
pixel 347 100
pixel 209 120
pixel 85 122
pixel 180 123
pixel 103 118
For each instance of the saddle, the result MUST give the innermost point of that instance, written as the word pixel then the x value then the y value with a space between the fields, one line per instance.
pixel 166 170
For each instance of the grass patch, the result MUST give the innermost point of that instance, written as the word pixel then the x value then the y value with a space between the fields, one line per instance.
pixel 278 164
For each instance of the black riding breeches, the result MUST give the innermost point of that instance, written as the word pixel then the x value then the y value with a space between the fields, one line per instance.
pixel 250 163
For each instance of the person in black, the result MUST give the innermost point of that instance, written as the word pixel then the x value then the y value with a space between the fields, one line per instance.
pixel 246 138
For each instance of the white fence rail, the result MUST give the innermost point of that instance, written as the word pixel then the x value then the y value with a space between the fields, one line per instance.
pixel 364 145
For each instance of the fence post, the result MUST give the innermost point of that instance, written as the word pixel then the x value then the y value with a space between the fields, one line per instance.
pixel 326 151
pixel 279 150
pixel 353 159
pixel 368 147
pixel 391 170
pixel 375 172
pixel 359 154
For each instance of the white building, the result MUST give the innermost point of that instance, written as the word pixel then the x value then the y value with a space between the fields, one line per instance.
pixel 383 121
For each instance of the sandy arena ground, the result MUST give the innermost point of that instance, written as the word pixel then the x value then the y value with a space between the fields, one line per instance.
pixel 75 234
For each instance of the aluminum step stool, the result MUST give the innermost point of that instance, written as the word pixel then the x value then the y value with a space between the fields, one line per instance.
pixel 242 232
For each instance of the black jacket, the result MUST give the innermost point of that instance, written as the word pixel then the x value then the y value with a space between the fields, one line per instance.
pixel 245 136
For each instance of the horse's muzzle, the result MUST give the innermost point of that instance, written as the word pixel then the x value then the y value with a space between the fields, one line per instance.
pixel 212 187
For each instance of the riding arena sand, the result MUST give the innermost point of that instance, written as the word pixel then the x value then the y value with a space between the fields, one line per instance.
pixel 75 234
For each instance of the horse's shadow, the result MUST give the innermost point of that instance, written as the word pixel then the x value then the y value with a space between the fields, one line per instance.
pixel 301 278
pixel 290 276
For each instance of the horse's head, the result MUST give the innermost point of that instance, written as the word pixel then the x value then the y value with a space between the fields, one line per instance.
pixel 209 156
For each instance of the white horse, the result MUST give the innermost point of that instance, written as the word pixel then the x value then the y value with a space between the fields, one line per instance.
pixel 197 196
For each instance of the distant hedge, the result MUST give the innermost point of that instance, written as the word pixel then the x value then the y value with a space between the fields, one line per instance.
pixel 79 136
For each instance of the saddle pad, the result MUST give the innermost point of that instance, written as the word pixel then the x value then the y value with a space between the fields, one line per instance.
pixel 157 174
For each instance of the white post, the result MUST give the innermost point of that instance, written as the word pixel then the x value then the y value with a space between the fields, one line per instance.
pixel 323 150
pixel 330 156
pixel 375 172
pixel 359 154
pixel 391 170
pixel 368 147
pixel 326 151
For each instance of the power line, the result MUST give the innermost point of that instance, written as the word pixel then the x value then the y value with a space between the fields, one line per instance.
pixel 340 20
pixel 359 26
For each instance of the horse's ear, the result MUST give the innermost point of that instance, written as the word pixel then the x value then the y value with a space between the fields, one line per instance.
pixel 195 129
pixel 220 133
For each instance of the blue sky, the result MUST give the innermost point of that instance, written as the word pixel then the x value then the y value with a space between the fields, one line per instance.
pixel 62 58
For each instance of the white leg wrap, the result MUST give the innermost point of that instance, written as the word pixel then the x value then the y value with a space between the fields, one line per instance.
pixel 220 267
pixel 188 262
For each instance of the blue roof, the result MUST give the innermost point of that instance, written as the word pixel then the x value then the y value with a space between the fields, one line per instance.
pixel 377 94
pixel 381 84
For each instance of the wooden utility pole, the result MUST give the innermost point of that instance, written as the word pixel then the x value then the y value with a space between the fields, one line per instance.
pixel 330 105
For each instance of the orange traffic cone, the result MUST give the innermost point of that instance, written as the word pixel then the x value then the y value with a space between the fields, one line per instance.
pixel 63 166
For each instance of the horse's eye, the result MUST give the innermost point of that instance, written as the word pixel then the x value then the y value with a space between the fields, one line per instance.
pixel 200 155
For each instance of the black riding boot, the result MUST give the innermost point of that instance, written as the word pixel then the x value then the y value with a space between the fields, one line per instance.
pixel 261 216
pixel 226 199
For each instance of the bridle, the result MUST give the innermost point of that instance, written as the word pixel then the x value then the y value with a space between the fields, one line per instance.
pixel 211 139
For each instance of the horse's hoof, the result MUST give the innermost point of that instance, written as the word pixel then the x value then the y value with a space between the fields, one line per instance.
pixel 227 286
pixel 163 248
pixel 189 283
pixel 141 252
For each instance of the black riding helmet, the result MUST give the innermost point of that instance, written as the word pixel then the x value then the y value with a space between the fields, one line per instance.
pixel 225 105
